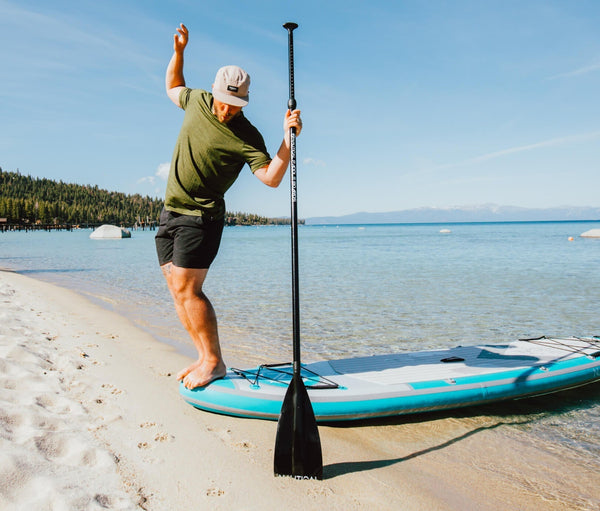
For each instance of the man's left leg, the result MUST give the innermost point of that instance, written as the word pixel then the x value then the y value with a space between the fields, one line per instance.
pixel 197 315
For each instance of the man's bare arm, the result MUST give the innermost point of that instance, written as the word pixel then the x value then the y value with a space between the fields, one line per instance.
pixel 174 80
pixel 272 174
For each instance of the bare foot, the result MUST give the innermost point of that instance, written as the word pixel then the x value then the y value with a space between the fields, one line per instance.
pixel 203 374
pixel 184 372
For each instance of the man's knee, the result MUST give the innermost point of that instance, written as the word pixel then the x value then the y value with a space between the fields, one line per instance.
pixel 186 283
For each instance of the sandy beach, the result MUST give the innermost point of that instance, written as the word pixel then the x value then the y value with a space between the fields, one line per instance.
pixel 91 418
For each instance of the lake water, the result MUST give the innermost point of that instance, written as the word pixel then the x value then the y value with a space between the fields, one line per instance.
pixel 367 289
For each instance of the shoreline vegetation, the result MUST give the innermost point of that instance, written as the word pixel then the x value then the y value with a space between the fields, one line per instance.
pixel 28 203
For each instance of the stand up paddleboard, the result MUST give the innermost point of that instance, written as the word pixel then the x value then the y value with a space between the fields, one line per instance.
pixel 404 383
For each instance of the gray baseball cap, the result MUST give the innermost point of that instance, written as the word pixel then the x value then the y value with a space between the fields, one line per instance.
pixel 231 86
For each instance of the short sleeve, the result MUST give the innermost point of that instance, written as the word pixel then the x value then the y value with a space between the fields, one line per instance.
pixel 184 97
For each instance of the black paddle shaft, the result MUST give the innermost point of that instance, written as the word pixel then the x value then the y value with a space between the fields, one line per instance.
pixel 294 207
pixel 297 450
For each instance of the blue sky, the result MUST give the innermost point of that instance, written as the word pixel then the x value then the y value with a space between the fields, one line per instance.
pixel 405 103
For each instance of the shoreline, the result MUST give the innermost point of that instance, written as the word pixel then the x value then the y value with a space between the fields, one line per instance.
pixel 84 390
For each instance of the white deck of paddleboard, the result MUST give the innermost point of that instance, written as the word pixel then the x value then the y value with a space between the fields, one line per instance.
pixel 401 368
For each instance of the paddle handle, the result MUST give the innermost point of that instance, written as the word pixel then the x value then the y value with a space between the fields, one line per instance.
pixel 290 27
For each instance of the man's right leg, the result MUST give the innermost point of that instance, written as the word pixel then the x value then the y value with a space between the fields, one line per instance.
pixel 197 315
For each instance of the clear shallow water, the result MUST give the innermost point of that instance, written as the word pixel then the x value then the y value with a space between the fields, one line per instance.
pixel 364 290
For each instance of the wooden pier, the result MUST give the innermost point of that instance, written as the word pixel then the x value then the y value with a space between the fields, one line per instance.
pixel 6 227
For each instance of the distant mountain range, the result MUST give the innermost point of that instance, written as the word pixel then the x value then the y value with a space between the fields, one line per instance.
pixel 482 213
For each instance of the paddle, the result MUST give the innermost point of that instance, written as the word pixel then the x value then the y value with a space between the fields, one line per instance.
pixel 297 446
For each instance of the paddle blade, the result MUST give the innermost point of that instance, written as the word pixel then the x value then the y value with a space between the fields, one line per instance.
pixel 298 446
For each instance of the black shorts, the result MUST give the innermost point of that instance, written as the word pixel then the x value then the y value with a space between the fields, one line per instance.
pixel 187 241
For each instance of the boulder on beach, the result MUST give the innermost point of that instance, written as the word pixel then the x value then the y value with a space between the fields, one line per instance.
pixel 592 233
pixel 110 232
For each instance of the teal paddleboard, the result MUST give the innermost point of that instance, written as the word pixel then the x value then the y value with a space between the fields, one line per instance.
pixel 412 382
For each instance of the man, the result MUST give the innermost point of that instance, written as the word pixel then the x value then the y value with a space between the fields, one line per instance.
pixel 214 143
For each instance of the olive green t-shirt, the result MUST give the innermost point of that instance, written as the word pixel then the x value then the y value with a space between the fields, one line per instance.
pixel 209 156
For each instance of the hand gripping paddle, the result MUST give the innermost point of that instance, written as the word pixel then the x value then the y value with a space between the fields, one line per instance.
pixel 297 446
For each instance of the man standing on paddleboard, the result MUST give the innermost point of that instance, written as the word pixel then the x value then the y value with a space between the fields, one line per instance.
pixel 215 142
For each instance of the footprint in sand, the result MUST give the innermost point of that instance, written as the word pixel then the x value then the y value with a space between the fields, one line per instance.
pixel 244 445
pixel 69 449
pixel 9 370
pixel 58 404
pixel 227 438
pixel 163 437
pixel 112 389
pixel 22 355
pixel 13 424
pixel 159 436
pixel 12 475
pixel 223 434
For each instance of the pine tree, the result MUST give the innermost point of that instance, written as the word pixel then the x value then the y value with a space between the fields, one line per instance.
pixel 24 199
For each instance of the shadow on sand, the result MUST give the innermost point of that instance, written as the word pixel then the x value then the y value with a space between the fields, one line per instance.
pixel 507 413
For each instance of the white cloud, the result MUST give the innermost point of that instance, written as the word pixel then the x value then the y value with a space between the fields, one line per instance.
pixel 313 162
pixel 581 71
pixel 570 139
pixel 163 171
